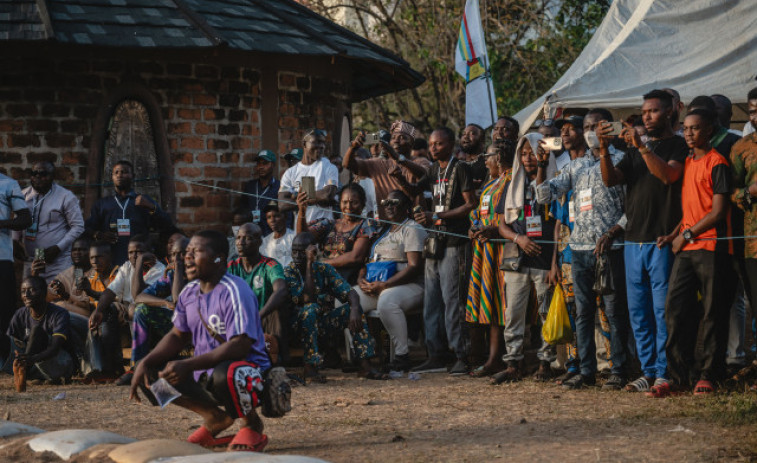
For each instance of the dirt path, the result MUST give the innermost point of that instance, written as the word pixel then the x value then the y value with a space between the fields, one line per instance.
pixel 439 418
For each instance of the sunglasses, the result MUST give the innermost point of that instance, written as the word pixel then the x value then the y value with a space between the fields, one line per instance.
pixel 40 173
pixel 544 122
pixel 390 202
pixel 315 132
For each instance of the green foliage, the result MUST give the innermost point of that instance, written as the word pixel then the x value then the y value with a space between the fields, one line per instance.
pixel 531 43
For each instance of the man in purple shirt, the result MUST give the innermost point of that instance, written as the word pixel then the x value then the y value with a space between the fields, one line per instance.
pixel 218 314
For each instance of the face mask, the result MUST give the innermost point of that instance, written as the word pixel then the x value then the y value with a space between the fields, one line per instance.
pixel 235 230
pixel 591 138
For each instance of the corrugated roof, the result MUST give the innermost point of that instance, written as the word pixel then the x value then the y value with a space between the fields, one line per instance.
pixel 277 27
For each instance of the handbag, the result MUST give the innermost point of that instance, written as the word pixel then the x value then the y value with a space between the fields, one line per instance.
pixel 603 284
pixel 512 257
pixel 380 271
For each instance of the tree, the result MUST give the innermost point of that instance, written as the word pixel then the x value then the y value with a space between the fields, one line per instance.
pixel 531 43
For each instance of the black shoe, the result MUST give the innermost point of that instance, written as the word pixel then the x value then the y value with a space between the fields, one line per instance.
pixel 578 381
pixel 431 365
pixel 125 379
pixel 614 383
pixel 459 368
pixel 401 363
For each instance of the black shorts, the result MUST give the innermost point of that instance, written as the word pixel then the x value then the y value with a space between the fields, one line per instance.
pixel 234 385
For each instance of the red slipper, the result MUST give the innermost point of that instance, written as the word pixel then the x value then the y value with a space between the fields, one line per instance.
pixel 661 391
pixel 249 441
pixel 703 387
pixel 203 437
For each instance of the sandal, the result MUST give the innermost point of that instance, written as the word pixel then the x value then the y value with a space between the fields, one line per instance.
pixel 661 389
pixel 639 385
pixel 203 437
pixel 703 387
pixel 508 375
pixel 482 371
pixel 248 440
pixel 375 374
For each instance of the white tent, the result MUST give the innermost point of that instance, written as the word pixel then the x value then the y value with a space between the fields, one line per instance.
pixel 698 47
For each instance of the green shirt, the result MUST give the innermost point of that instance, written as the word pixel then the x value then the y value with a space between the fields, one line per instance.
pixel 261 278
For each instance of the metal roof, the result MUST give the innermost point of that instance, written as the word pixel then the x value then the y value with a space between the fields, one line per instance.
pixel 265 26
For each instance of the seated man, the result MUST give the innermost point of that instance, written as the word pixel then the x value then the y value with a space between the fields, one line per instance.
pixel 40 335
pixel 239 217
pixel 266 278
pixel 102 274
pixel 154 307
pixel 277 244
pixel 218 314
pixel 62 289
pixel 313 286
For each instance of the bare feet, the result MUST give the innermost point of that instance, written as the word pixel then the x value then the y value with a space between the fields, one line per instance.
pixel 19 376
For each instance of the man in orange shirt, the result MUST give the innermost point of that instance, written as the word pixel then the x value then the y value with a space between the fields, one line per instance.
pixel 702 263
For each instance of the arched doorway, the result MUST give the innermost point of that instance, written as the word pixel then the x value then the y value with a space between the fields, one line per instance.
pixel 130 138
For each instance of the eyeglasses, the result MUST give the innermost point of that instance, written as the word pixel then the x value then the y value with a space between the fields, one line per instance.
pixel 544 122
pixel 40 173
pixel 316 132
pixel 390 202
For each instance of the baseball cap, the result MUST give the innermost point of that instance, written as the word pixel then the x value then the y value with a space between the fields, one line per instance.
pixel 575 121
pixel 266 155
pixel 272 205
pixel 295 153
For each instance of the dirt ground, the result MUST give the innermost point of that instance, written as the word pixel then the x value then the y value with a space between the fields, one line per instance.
pixel 437 418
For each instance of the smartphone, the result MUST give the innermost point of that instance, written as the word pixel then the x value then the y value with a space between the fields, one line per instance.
pixel 372 138
pixel 552 143
pixel 617 127
pixel 39 254
pixel 307 184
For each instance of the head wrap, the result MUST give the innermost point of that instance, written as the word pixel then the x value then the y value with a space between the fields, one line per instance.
pixel 515 199
pixel 403 128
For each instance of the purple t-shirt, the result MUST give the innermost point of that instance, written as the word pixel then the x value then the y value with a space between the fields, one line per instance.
pixel 230 309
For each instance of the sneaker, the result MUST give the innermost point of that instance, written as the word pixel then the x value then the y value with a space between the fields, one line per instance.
pixel 431 365
pixel 614 383
pixel 578 381
pixel 459 368
pixel 400 363
pixel 125 379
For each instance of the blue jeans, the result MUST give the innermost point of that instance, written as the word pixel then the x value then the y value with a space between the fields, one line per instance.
pixel 443 310
pixel 647 273
pixel 586 310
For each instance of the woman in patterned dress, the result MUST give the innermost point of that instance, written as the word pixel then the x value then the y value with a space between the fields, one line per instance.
pixel 486 290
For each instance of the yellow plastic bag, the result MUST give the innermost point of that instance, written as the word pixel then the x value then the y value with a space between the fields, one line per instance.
pixel 556 329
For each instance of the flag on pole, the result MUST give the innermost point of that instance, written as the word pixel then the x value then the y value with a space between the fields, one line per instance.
pixel 472 64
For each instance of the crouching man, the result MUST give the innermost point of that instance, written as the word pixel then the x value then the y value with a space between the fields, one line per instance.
pixel 223 381
pixel 40 338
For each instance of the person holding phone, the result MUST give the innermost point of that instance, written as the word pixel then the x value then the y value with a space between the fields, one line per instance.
pixel 652 173
pixel 325 177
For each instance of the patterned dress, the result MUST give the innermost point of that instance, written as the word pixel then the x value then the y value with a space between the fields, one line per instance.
pixel 335 243
pixel 486 289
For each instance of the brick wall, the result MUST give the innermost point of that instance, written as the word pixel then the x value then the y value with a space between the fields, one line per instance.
pixel 212 120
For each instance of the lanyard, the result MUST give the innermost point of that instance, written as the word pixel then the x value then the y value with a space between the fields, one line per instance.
pixel 37 203
pixel 123 208
pixel 443 185
pixel 258 196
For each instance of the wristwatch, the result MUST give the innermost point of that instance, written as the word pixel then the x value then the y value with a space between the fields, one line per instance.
pixel 401 158
pixel 687 235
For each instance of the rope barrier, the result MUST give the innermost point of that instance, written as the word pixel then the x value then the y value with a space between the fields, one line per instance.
pixel 457 235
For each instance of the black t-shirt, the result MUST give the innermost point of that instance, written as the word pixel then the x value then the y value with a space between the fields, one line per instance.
pixel 653 209
pixel 436 181
pixel 532 209
pixel 55 322
pixel 479 173
pixel 726 144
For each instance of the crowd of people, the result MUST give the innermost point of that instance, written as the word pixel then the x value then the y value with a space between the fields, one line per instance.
pixel 647 228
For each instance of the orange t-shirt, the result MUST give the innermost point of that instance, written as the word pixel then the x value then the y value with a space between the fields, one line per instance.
pixel 703 178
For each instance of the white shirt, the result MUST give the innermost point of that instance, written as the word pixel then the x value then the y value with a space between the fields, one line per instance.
pixel 370 198
pixel 748 128
pixel 121 284
pixel 11 200
pixel 324 172
pixel 279 249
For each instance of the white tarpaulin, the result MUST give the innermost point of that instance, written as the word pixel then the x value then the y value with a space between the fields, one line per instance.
pixel 698 47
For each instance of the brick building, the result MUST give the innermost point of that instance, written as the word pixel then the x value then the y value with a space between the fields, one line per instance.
pixel 187 89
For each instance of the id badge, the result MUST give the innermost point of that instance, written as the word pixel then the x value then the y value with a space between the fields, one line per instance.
pixel 124 227
pixel 31 232
pixel 533 225
pixel 584 200
pixel 437 190
pixel 438 208
pixel 571 211
pixel 256 216
pixel 485 200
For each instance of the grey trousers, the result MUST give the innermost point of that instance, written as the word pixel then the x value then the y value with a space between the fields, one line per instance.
pixel 518 293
